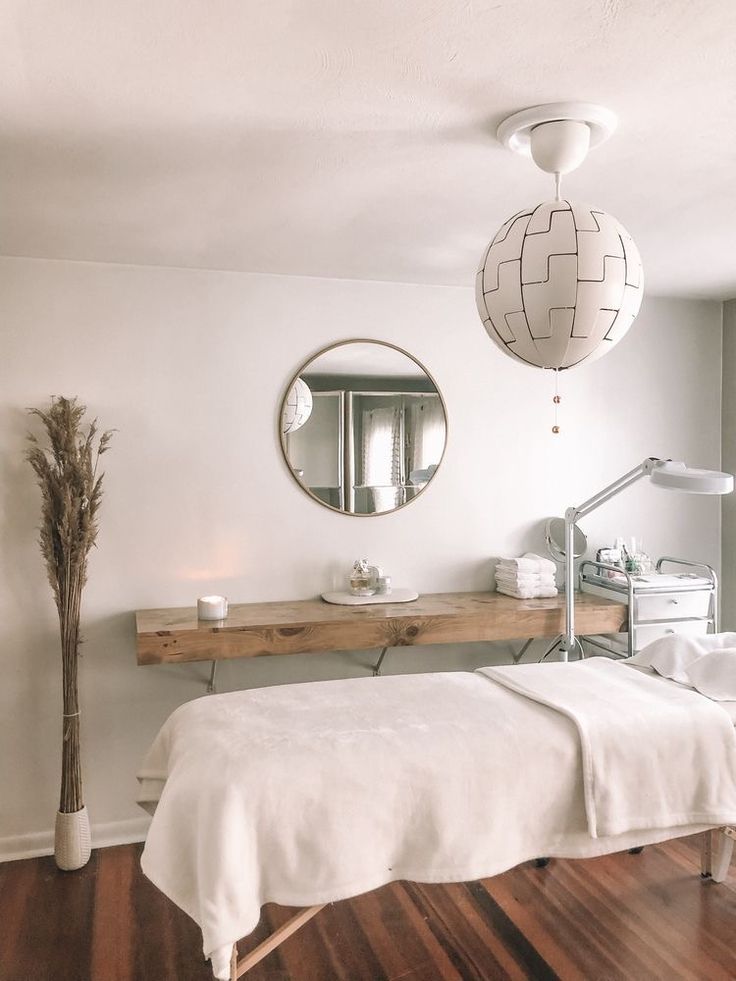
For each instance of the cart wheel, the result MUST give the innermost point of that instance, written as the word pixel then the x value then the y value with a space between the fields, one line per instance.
pixel 541 863
pixel 636 851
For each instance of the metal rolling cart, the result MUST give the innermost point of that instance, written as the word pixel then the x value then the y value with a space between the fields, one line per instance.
pixel 658 604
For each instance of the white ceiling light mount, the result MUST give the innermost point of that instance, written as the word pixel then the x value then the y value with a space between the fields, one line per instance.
pixel 557 135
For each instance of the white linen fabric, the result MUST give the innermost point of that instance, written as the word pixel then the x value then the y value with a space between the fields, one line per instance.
pixel 673 655
pixel 729 707
pixel 528 577
pixel 525 579
pixel 525 592
pixel 652 756
pixel 528 562
pixel 311 793
pixel 714 675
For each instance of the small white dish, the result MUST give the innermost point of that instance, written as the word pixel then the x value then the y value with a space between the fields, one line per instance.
pixel 343 598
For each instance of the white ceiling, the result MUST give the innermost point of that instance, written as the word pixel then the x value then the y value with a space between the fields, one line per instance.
pixel 349 138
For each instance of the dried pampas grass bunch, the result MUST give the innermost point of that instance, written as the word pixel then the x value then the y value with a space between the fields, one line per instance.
pixel 65 465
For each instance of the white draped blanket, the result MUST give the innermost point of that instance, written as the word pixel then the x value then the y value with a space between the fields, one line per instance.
pixel 305 794
pixel 653 755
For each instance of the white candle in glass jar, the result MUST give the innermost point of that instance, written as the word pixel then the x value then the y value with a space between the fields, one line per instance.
pixel 212 608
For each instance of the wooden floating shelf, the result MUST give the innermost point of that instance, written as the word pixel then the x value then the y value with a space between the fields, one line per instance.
pixel 309 626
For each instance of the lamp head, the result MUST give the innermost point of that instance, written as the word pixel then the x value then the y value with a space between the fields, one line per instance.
pixel 674 475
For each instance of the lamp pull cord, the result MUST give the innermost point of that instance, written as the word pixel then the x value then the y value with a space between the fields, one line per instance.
pixel 556 400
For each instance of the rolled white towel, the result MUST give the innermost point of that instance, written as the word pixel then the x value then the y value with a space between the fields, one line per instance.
pixel 525 587
pixel 537 592
pixel 529 562
pixel 525 578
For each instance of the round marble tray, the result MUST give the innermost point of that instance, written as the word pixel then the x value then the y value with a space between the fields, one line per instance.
pixel 347 599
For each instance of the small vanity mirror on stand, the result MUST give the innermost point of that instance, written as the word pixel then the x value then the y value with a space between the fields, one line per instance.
pixel 554 535
pixel 363 427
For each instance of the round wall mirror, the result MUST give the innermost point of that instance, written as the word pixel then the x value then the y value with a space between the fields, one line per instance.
pixel 363 427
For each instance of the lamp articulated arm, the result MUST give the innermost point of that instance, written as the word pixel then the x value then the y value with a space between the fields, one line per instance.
pixel 572 516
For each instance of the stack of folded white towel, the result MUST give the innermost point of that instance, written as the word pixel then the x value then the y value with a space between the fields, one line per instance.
pixel 529 577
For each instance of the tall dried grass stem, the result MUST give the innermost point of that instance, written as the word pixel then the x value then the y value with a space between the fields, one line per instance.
pixel 71 493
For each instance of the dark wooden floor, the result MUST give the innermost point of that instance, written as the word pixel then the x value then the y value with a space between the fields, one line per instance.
pixel 620 917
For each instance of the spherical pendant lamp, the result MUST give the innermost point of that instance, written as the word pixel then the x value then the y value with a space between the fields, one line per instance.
pixel 561 282
pixel 297 407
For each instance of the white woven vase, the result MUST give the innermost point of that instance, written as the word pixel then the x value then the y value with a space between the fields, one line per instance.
pixel 72 846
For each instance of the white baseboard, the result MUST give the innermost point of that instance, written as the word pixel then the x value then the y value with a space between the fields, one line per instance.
pixel 125 832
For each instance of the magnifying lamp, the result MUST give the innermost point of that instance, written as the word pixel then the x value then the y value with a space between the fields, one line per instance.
pixel 669 474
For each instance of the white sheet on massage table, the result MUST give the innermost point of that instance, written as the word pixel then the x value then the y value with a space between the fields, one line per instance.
pixel 728 707
pixel 150 790
pixel 311 835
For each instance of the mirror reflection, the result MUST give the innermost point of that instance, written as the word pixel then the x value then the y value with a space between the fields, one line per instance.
pixel 363 427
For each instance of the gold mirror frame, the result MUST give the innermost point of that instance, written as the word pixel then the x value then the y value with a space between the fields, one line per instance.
pixel 282 436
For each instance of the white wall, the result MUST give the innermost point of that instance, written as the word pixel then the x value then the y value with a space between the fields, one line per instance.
pixel 190 366
pixel 728 416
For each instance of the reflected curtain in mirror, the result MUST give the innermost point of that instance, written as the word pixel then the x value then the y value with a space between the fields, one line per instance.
pixel 378 452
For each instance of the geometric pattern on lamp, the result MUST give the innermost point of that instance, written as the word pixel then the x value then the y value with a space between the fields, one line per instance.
pixel 297 407
pixel 560 283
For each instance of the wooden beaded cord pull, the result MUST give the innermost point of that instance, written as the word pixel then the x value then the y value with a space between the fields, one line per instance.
pixel 556 400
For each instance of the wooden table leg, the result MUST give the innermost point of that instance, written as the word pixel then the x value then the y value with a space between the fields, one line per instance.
pixel 724 853
pixel 706 854
pixel 271 943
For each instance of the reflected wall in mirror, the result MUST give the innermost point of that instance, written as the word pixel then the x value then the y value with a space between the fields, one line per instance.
pixel 375 432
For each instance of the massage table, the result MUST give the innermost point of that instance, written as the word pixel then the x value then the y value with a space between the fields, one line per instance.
pixel 306 794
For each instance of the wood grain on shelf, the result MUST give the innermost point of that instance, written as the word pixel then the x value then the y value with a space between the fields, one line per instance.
pixel 307 626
